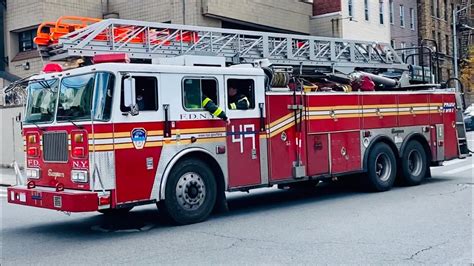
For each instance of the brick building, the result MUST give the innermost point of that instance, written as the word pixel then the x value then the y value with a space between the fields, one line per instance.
pixel 351 19
pixel 403 20
pixel 435 21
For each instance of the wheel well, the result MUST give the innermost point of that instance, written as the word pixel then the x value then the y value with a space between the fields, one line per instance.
pixel 381 139
pixel 218 175
pixel 422 140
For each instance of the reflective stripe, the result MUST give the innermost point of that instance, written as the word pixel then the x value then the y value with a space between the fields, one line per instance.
pixel 233 106
pixel 207 100
pixel 217 112
pixel 246 99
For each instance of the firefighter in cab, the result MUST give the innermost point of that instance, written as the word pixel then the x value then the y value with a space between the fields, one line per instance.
pixel 213 108
pixel 237 100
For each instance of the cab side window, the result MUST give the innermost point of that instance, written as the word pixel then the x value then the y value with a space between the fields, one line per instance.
pixel 241 94
pixel 195 90
pixel 146 93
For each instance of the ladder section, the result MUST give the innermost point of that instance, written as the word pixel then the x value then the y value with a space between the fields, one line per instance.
pixel 147 40
pixel 463 149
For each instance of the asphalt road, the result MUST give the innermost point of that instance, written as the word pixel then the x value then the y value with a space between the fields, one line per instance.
pixel 430 223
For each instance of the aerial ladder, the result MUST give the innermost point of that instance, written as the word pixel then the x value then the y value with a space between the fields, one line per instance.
pixel 147 40
pixel 84 38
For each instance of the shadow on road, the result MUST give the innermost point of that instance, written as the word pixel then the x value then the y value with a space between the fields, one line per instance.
pixel 146 219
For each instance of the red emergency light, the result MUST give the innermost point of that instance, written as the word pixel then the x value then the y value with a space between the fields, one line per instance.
pixel 52 68
pixel 111 58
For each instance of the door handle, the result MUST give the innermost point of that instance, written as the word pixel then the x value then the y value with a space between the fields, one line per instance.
pixel 262 119
pixel 167 126
pixel 318 145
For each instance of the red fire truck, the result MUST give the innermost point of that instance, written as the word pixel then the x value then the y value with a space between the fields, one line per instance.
pixel 113 135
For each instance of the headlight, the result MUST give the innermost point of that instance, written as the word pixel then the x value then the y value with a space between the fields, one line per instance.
pixel 32 173
pixel 79 176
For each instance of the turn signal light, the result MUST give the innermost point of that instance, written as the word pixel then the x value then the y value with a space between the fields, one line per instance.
pixel 105 200
pixel 31 184
pixel 59 187
pixel 32 139
pixel 33 152
pixel 79 138
pixel 78 152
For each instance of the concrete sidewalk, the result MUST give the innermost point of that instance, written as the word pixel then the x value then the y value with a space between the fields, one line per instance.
pixel 7 177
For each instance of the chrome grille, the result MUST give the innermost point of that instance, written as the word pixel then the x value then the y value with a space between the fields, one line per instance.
pixel 55 147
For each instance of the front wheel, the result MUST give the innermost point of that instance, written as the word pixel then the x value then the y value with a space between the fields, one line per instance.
pixel 190 193
pixel 414 164
pixel 382 167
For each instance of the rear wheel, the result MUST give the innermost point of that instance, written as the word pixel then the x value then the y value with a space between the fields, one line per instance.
pixel 190 193
pixel 414 164
pixel 382 167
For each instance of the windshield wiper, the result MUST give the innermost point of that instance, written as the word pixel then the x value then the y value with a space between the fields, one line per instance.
pixel 78 126
pixel 42 129
pixel 70 121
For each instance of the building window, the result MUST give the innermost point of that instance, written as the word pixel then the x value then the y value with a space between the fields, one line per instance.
pixel 391 12
pixel 433 7
pixel 402 16
pixel 437 8
pixel 366 9
pixel 446 10
pixel 25 39
pixel 381 12
pixel 392 43
pixel 439 43
pixel 413 58
pixel 447 44
pixel 412 19
pixel 403 45
pixel 350 7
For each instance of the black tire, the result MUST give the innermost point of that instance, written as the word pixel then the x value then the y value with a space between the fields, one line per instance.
pixel 414 164
pixel 117 212
pixel 190 193
pixel 381 168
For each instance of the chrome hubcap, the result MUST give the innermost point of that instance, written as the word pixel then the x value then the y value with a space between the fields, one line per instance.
pixel 190 191
pixel 414 163
pixel 383 167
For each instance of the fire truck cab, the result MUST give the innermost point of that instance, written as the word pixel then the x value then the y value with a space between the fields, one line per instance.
pixel 111 136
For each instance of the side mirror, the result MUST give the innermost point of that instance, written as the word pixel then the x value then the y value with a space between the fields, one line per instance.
pixel 129 92
pixel 129 96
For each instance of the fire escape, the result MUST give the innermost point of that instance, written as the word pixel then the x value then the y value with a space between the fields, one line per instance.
pixel 465 30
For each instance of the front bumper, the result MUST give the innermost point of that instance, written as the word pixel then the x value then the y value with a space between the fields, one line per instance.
pixel 69 201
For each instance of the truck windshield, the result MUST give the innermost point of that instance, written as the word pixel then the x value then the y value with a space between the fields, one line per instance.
pixel 41 102
pixel 75 97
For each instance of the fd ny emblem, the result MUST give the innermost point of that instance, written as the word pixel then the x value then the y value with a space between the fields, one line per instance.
pixel 138 138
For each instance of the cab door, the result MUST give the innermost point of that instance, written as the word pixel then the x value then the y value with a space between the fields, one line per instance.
pixel 245 152
pixel 138 140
